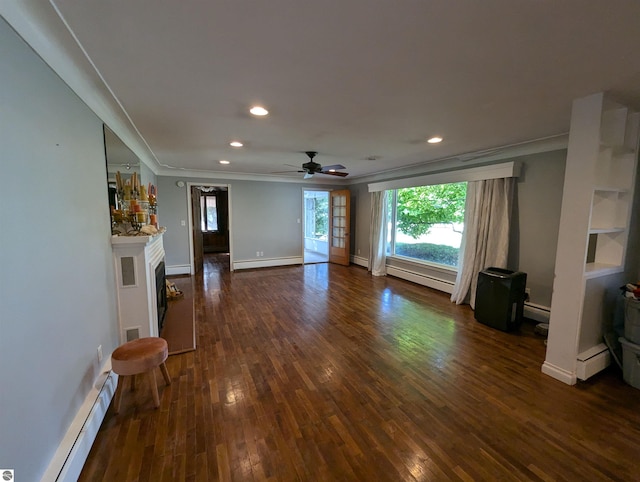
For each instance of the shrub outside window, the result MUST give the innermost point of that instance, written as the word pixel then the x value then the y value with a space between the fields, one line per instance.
pixel 426 223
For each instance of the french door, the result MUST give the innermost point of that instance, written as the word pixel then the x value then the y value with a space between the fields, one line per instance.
pixel 339 227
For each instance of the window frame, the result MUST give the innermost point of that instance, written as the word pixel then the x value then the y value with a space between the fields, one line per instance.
pixel 203 211
pixel 392 217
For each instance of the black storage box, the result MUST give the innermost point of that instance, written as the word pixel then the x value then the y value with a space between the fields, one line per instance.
pixel 500 298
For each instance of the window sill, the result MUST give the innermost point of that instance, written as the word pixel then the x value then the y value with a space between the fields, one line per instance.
pixel 418 262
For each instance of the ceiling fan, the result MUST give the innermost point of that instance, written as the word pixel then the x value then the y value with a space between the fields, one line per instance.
pixel 310 168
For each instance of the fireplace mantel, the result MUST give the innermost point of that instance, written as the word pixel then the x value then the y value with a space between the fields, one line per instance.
pixel 135 260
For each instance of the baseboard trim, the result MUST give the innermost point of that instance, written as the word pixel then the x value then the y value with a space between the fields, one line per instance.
pixel 74 448
pixel 559 373
pixel 360 261
pixel 267 263
pixel 420 278
pixel 178 269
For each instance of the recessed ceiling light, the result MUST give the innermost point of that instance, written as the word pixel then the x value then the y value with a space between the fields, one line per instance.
pixel 224 162
pixel 434 140
pixel 258 110
pixel 236 144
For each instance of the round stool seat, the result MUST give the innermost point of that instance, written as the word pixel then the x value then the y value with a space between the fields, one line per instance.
pixel 139 356
pixel 143 355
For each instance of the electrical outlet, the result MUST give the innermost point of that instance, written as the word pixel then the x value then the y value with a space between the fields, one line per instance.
pixel 261 254
pixel 99 353
pixel 257 254
pixel 358 251
pixel 183 222
pixel 528 291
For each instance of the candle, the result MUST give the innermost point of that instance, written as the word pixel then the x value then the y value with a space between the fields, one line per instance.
pixel 141 216
pixel 153 219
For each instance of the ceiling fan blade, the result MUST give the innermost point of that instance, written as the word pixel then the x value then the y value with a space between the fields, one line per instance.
pixel 284 172
pixel 336 173
pixel 333 167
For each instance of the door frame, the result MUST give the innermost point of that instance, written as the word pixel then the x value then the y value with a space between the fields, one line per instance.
pixel 192 269
pixel 319 189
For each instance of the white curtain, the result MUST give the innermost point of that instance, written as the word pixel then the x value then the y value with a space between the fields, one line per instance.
pixel 485 240
pixel 378 239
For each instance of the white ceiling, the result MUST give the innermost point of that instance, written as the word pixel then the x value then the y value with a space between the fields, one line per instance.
pixel 348 78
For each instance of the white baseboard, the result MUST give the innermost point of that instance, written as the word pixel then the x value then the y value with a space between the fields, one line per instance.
pixel 537 313
pixel 592 361
pixel 178 269
pixel 559 373
pixel 360 261
pixel 74 448
pixel 420 278
pixel 267 263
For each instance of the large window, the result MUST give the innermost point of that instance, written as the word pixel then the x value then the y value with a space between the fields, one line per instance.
pixel 209 212
pixel 426 222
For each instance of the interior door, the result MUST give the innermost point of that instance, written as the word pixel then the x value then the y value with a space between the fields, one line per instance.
pixel 196 222
pixel 339 227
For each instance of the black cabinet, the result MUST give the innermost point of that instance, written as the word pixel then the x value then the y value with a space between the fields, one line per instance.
pixel 500 298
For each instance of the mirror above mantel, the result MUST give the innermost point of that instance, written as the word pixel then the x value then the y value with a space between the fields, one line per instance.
pixel 131 186
pixel 119 156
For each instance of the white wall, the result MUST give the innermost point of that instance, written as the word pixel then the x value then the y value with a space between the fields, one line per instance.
pixel 57 299
pixel 264 217
pixel 537 220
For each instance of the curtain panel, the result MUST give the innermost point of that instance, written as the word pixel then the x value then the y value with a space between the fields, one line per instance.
pixel 378 237
pixel 485 240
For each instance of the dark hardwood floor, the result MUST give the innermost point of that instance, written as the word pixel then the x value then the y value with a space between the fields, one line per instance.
pixel 322 372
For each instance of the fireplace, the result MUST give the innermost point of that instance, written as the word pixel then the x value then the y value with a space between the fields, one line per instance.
pixel 140 281
pixel 161 294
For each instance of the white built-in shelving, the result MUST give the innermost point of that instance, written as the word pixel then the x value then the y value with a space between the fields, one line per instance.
pixel 600 177
pixel 613 181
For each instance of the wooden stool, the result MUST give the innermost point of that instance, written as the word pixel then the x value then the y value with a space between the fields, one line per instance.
pixel 140 356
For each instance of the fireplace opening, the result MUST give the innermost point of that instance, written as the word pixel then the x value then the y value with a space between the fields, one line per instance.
pixel 161 295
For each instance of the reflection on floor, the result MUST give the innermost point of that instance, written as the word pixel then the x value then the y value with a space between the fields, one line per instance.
pixel 315 257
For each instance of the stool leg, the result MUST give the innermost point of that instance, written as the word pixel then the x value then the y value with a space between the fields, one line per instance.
pixel 154 388
pixel 118 395
pixel 165 373
pixel 133 382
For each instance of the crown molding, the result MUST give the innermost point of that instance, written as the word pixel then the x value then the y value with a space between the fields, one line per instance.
pixel 470 159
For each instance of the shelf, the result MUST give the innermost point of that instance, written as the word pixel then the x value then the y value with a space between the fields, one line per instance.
pixel 605 230
pixel 610 189
pixel 594 270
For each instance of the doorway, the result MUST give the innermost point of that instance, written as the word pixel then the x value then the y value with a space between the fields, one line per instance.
pixel 315 228
pixel 209 222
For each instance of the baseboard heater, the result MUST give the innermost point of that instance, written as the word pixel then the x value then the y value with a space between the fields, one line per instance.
pixel 592 361
pixel 535 312
pixel 420 278
pixel 69 459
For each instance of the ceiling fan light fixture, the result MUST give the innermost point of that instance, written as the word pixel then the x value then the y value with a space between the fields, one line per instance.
pixel 434 140
pixel 259 111
pixel 236 144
